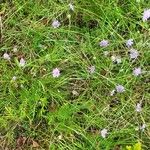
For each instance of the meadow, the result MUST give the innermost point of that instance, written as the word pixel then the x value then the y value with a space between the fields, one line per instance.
pixel 74 75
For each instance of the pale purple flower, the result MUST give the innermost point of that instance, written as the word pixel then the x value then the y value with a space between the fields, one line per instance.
pixel 22 62
pixel 56 72
pixel 104 43
pixel 56 23
pixel 6 56
pixel 142 128
pixel 104 133
pixel 91 69
pixel 112 92
pixel 146 14
pixel 138 107
pixel 129 42
pixel 71 6
pixel 120 89
pixel 133 54
pixel 137 71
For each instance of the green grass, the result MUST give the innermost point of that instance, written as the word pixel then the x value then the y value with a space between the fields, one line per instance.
pixel 41 108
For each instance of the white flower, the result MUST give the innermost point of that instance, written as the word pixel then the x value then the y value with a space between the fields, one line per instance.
pixel 142 128
pixel 104 133
pixel 138 107
pixel 112 92
pixel 14 78
pixel 71 7
pixel 22 62
pixel 133 54
pixel 6 56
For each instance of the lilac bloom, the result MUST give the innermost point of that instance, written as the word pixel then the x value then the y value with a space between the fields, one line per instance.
pixel 6 56
pixel 129 43
pixel 120 89
pixel 138 107
pixel 133 54
pixel 104 43
pixel 104 133
pixel 56 72
pixel 92 69
pixel 56 24
pixel 146 14
pixel 22 62
pixel 137 71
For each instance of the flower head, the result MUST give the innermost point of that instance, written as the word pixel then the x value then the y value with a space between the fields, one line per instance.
pixel 133 54
pixel 138 107
pixel 56 72
pixel 6 56
pixel 104 43
pixel 129 42
pixel 120 89
pixel 22 62
pixel 71 6
pixel 91 69
pixel 56 23
pixel 104 133
pixel 137 71
pixel 146 14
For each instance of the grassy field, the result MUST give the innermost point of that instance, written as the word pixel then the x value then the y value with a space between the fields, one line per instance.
pixel 74 77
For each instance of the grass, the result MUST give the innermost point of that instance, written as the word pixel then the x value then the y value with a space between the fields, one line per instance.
pixel 38 111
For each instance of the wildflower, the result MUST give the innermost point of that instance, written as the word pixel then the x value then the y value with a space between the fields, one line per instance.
pixel 92 69
pixel 146 14
pixel 116 59
pixel 71 7
pixel 56 23
pixel 14 78
pixel 134 54
pixel 142 128
pixel 129 43
pixel 56 72
pixel 106 53
pixel 15 49
pixel 6 56
pixel 112 92
pixel 104 133
pixel 138 107
pixel 104 43
pixel 22 62
pixel 120 89
pixel 137 71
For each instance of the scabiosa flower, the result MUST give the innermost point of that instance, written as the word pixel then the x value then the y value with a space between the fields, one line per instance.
pixel 104 133
pixel 56 23
pixel 133 54
pixel 71 6
pixel 56 72
pixel 146 14
pixel 22 62
pixel 129 42
pixel 137 71
pixel 6 56
pixel 92 69
pixel 120 89
pixel 138 107
pixel 104 43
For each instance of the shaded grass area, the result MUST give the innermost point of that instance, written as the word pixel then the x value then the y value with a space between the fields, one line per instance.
pixel 44 109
